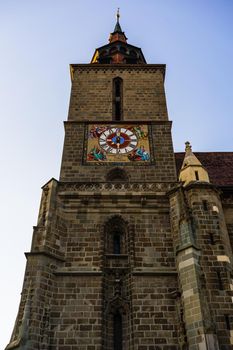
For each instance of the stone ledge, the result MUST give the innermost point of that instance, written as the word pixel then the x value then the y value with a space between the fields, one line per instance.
pixel 116 256
pixel 115 122
pixel 100 273
pixel 47 254
pixel 187 246
pixel 78 273
pixel 155 273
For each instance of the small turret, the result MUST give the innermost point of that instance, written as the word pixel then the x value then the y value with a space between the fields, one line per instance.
pixel 192 170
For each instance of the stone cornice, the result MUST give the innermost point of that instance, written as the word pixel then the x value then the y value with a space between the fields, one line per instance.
pixel 148 122
pixel 194 185
pixel 201 185
pixel 146 68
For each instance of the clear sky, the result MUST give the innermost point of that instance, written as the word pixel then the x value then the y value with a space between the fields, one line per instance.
pixel 38 40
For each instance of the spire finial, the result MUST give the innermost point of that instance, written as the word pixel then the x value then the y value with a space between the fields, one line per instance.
pixel 118 14
pixel 188 146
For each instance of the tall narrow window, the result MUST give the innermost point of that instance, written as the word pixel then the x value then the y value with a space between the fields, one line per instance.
pixel 117 331
pixel 116 243
pixel 117 98
pixel 227 321
pixel 220 284
pixel 197 175
pixel 205 205
pixel 211 238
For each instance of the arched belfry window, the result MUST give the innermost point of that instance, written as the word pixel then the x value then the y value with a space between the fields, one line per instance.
pixel 117 105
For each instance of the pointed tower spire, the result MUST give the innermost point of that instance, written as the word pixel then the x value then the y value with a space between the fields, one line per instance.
pixel 117 34
pixel 118 26
pixel 192 169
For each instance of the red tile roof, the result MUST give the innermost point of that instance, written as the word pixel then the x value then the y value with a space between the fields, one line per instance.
pixel 218 164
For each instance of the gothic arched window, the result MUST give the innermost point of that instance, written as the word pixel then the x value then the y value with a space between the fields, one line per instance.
pixel 116 238
pixel 117 105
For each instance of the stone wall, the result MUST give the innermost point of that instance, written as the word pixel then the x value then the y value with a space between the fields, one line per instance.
pixel 155 318
pixel 204 263
pixel 143 92
pixel 76 313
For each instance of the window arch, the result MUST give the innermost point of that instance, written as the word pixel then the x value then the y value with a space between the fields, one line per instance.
pixel 117 100
pixel 117 174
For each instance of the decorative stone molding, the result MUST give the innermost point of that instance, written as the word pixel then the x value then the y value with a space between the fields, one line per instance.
pixel 146 68
pixel 114 187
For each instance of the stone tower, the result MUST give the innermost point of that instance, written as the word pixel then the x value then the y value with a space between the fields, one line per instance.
pixel 124 256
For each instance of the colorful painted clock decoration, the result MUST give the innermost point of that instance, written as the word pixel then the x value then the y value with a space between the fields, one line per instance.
pixel 118 143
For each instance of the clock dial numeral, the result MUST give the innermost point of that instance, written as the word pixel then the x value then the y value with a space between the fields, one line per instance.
pixel 128 132
pixel 133 138
pixel 105 146
pixel 132 144
pixel 107 133
pixel 102 143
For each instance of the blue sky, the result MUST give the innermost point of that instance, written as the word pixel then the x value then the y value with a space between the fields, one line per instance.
pixel 38 41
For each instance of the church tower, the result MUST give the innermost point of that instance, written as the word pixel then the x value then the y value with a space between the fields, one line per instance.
pixel 115 258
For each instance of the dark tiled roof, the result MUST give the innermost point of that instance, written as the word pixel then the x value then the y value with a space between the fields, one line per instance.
pixel 218 164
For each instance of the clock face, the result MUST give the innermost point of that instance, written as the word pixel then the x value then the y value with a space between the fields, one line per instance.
pixel 118 140
pixel 121 143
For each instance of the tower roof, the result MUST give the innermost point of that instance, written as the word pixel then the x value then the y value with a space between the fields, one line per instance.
pixel 189 158
pixel 192 169
pixel 118 50
pixel 218 164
